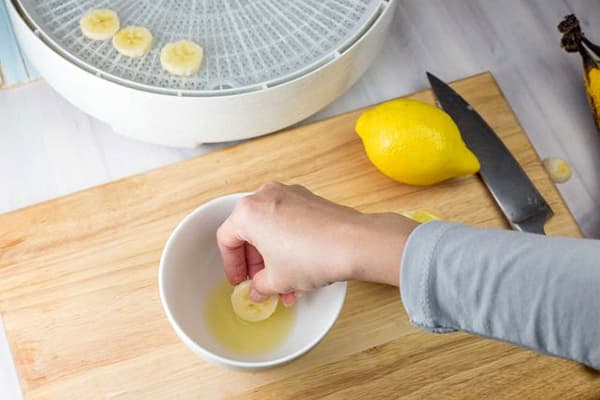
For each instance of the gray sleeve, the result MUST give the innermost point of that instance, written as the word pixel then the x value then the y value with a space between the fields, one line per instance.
pixel 538 292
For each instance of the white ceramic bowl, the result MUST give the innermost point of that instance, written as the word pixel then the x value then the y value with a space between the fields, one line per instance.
pixel 191 265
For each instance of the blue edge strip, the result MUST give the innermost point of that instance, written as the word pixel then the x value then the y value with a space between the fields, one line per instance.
pixel 14 66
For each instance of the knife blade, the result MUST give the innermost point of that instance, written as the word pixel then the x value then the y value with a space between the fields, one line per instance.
pixel 521 203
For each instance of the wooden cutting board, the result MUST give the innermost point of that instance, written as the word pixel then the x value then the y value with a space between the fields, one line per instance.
pixel 79 297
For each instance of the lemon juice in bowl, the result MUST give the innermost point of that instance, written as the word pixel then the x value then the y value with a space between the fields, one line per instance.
pixel 243 337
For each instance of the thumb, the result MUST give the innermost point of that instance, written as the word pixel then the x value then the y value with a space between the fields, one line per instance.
pixel 260 287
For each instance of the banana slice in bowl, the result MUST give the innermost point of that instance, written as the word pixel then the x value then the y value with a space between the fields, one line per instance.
pixel 249 310
pixel 99 24
pixel 181 58
pixel 133 41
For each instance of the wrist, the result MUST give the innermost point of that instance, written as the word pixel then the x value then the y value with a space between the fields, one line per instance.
pixel 378 248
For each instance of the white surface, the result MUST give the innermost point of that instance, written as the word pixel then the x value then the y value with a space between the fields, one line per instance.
pixel 187 120
pixel 48 148
pixel 247 44
pixel 190 266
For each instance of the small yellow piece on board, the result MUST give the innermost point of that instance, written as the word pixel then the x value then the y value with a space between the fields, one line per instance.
pixel 420 216
pixel 558 169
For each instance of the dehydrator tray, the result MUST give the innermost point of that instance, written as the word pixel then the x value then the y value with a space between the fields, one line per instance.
pixel 249 45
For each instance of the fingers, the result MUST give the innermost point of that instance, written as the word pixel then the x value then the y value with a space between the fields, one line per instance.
pixel 288 299
pixel 261 287
pixel 235 238
pixel 254 260
pixel 261 290
pixel 233 252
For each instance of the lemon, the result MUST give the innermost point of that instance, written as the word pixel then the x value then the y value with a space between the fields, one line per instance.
pixel 421 216
pixel 415 143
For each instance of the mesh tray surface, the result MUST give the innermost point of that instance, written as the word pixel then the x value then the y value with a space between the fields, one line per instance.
pixel 248 44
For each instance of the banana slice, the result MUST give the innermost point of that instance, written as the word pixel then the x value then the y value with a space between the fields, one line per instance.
pixel 181 58
pixel 248 310
pixel 99 24
pixel 133 41
pixel 421 216
pixel 558 169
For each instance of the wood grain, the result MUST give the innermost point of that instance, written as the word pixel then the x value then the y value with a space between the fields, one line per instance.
pixel 79 297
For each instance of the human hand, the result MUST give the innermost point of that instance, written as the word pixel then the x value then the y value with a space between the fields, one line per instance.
pixel 289 241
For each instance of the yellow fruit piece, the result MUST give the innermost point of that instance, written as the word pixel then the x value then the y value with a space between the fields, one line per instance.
pixel 249 310
pixel 99 24
pixel 559 170
pixel 421 216
pixel 593 89
pixel 133 41
pixel 415 143
pixel 181 58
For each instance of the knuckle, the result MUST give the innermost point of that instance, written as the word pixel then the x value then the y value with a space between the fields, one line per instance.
pixel 274 203
pixel 245 205
pixel 245 201
pixel 271 196
pixel 270 186
pixel 221 234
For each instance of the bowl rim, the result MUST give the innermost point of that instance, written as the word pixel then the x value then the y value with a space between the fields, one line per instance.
pixel 200 350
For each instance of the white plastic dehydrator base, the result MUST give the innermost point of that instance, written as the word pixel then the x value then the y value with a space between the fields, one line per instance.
pixel 189 121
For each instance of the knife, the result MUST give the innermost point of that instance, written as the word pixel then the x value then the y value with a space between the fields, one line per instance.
pixel 519 200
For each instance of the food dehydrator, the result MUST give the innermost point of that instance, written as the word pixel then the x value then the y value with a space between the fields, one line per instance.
pixel 267 63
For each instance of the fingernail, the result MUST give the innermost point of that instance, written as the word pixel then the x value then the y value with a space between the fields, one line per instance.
pixel 286 305
pixel 256 296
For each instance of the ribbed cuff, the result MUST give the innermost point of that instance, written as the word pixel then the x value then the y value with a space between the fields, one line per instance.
pixel 415 274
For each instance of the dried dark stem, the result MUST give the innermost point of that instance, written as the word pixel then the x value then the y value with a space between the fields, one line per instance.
pixel 593 47
pixel 588 61
pixel 573 37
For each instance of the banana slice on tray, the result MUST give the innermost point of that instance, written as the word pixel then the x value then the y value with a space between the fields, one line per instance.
pixel 247 309
pixel 133 41
pixel 99 24
pixel 181 58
